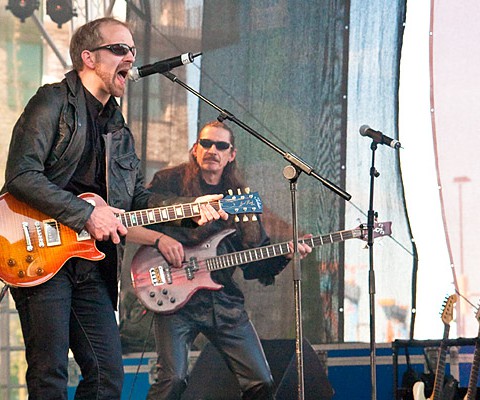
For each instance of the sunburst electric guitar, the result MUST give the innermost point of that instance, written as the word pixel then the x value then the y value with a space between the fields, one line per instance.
pixel 473 380
pixel 34 246
pixel 164 289
pixel 419 387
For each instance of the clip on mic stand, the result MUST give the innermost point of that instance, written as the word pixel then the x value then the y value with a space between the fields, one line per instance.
pixel 371 274
pixel 290 172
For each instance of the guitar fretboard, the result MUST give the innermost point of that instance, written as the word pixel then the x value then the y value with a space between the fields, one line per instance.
pixel 274 250
pixel 162 214
pixel 440 372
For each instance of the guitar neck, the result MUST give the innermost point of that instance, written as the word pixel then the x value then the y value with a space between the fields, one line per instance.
pixel 274 250
pixel 440 372
pixel 472 382
pixel 163 214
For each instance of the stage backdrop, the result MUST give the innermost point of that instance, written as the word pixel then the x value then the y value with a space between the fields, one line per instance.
pixel 305 75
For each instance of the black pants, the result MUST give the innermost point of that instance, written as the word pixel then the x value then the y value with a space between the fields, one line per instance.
pixel 71 310
pixel 238 345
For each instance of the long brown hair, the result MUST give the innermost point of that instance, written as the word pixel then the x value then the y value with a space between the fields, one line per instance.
pixel 230 177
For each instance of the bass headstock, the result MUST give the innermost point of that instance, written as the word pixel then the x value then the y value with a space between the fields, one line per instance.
pixel 380 229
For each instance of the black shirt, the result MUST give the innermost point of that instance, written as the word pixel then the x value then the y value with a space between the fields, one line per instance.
pixel 90 175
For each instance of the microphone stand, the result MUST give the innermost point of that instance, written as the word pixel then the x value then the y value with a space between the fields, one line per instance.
pixel 290 172
pixel 371 274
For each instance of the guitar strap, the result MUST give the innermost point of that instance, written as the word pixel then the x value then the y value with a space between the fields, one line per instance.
pixel 3 292
pixel 428 377
pixel 410 376
pixel 108 151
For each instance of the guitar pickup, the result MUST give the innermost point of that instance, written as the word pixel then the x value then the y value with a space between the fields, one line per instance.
pixel 160 275
pixel 52 232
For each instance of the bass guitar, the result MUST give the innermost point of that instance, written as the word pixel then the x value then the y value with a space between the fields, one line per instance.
pixel 419 387
pixel 164 289
pixel 34 246
pixel 473 380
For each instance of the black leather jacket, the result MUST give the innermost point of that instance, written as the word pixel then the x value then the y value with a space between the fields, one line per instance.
pixel 45 148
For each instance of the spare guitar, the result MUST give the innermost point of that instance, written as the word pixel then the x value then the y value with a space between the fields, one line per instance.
pixel 34 247
pixel 164 289
pixel 473 380
pixel 418 387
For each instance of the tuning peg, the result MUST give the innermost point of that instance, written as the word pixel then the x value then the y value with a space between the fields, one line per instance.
pixel 245 218
pixel 254 217
pixel 236 218
pixel 230 192
pixel 239 191
pixel 247 190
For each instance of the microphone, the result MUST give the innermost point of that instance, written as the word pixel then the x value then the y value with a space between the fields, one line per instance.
pixel 161 67
pixel 379 137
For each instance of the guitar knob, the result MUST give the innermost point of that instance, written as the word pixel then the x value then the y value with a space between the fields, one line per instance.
pixel 160 303
pixel 39 271
pixel 172 300
pixel 21 274
pixel 29 259
pixel 152 294
pixel 11 262
pixel 164 291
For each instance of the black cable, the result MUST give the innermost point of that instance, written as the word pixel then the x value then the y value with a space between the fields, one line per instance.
pixel 141 358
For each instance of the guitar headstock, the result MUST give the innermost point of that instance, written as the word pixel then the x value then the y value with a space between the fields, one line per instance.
pixel 477 314
pixel 447 312
pixel 248 202
pixel 379 229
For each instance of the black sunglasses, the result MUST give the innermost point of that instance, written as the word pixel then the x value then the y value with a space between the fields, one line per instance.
pixel 207 143
pixel 119 49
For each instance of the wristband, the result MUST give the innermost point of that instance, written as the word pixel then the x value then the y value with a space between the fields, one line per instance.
pixel 157 241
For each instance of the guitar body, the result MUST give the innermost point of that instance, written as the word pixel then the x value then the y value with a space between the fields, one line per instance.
pixel 168 297
pixel 418 391
pixel 34 246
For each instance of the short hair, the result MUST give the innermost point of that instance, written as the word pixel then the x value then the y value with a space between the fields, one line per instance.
pixel 88 37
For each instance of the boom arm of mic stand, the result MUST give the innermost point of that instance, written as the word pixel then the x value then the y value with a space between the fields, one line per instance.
pixel 296 161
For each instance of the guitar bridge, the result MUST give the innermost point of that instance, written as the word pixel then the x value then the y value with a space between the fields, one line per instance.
pixel 160 275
